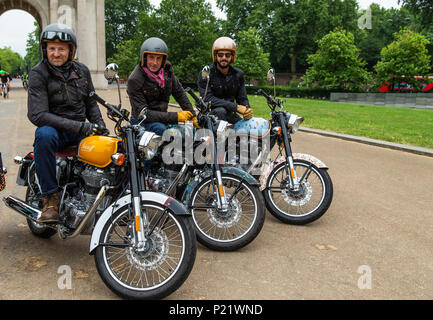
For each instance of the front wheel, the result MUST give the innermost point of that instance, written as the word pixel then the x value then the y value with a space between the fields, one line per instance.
pixel 232 229
pixel 154 271
pixel 303 205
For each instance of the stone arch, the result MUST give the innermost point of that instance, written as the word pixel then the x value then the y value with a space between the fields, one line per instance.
pixel 86 18
pixel 32 7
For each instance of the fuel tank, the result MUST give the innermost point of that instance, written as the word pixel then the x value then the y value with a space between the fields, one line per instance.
pixel 255 127
pixel 97 150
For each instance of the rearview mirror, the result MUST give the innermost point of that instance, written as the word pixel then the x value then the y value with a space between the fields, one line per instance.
pixel 271 74
pixel 205 72
pixel 111 71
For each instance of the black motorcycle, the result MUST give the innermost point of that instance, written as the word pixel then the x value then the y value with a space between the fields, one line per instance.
pixel 226 204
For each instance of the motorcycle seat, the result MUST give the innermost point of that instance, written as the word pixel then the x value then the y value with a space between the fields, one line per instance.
pixel 70 151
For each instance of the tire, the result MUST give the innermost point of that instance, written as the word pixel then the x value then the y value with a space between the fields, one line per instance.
pixel 34 198
pixel 305 206
pixel 235 229
pixel 164 267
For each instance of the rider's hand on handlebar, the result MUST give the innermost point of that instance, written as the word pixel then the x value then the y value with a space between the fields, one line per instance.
pixel 195 123
pixel 183 116
pixel 245 111
pixel 88 129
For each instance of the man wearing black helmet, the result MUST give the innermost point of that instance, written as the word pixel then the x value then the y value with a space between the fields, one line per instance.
pixel 151 84
pixel 59 104
pixel 226 89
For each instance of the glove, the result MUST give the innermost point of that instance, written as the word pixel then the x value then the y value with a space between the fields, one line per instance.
pixel 183 116
pixel 88 128
pixel 102 130
pixel 195 123
pixel 245 111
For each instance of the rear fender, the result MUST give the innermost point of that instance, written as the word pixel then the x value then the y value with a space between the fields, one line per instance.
pixel 166 201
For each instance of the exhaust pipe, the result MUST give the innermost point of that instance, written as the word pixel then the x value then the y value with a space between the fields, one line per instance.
pixel 22 208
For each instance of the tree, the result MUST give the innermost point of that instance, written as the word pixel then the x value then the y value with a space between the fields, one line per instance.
pixel 10 61
pixel 188 27
pixel 423 8
pixel 336 64
pixel 403 59
pixel 290 29
pixel 250 56
pixel 126 57
pixel 384 22
pixel 33 51
pixel 121 20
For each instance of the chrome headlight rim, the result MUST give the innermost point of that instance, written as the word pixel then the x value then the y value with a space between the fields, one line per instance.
pixel 294 122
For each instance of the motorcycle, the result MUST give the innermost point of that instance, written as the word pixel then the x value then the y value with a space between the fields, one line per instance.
pixel 226 204
pixel 296 187
pixel 143 241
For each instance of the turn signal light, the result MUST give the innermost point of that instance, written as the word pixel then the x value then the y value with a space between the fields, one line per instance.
pixel 118 159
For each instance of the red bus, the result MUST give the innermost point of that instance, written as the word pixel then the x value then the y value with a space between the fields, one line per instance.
pixel 403 86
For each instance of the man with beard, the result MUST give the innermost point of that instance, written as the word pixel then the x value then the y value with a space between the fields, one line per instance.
pixel 59 104
pixel 226 89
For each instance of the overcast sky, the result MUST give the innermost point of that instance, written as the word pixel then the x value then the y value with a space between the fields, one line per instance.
pixel 15 25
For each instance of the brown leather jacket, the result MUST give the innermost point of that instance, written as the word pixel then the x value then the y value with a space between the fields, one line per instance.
pixel 145 92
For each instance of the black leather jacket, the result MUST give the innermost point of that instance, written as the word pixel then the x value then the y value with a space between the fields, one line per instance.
pixel 227 91
pixel 145 92
pixel 61 103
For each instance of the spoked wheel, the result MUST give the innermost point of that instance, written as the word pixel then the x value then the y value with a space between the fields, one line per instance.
pixel 305 204
pixel 232 229
pixel 152 272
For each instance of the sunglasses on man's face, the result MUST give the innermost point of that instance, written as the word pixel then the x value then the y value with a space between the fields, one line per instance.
pixel 222 54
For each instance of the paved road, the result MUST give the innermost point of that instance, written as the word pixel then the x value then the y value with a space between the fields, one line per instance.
pixel 379 228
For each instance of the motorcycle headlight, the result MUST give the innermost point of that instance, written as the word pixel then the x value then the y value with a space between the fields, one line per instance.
pixel 294 122
pixel 149 144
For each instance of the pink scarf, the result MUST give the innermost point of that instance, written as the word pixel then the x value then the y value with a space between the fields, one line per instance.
pixel 159 78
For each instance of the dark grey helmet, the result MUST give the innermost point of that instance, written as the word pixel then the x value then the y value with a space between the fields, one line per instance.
pixel 155 46
pixel 61 32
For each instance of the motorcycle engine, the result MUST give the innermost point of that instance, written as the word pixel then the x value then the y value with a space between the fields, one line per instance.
pixel 161 180
pixel 77 205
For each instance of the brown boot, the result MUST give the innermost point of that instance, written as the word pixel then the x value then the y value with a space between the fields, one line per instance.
pixel 50 208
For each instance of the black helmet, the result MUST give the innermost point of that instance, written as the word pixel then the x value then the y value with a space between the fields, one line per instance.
pixel 61 32
pixel 154 46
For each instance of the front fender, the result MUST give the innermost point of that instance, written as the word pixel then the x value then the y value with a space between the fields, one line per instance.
pixel 270 165
pixel 224 170
pixel 175 206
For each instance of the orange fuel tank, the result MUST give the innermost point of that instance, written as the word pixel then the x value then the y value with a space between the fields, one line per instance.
pixel 97 150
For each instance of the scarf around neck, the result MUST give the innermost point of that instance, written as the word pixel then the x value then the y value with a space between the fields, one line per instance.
pixel 65 69
pixel 159 77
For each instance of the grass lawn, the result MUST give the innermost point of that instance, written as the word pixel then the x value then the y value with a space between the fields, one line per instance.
pixel 394 124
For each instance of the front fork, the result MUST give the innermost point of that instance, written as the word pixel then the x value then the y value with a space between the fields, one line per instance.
pixel 290 170
pixel 140 219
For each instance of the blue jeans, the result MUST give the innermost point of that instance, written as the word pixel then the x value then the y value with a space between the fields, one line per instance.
pixel 48 141
pixel 156 127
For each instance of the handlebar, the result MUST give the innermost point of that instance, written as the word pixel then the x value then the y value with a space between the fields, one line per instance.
pixel 191 92
pixel 109 106
pixel 268 97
